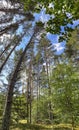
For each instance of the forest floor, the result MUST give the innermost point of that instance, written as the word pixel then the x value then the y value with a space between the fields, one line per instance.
pixel 21 126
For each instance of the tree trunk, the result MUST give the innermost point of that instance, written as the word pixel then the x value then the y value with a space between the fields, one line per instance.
pixel 30 91
pixel 72 123
pixel 27 103
pixel 11 53
pixel 1 68
pixel 5 49
pixel 38 92
pixel 7 111
pixel 49 88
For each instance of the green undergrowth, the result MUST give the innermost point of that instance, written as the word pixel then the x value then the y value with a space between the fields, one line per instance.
pixel 21 126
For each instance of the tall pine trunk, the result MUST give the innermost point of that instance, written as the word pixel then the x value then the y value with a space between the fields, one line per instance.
pixel 49 88
pixel 8 104
pixel 29 94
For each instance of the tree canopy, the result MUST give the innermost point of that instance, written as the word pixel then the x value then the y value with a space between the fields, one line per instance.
pixel 44 83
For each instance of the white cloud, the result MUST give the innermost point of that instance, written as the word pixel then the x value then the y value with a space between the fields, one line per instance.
pixel 59 47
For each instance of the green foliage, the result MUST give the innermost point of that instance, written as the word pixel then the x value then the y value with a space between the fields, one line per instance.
pixel 19 108
pixel 64 82
pixel 66 90
pixel 29 5
pixel 64 12
pixel 72 46
pixel 40 24
pixel 21 126
pixel 2 101
pixel 42 127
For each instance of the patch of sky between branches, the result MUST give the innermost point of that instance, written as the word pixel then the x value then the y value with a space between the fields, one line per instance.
pixel 54 38
pixel 24 42
pixel 43 17
pixel 75 23
pixel 58 46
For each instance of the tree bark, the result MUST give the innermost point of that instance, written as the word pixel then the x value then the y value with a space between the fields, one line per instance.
pixel 8 104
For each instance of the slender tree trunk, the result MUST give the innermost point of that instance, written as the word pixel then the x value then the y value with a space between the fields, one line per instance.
pixel 37 103
pixel 49 88
pixel 10 53
pixel 72 123
pixel 30 112
pixel 27 102
pixel 7 111
pixel 1 68
pixel 30 80
pixel 30 91
pixel 38 91
pixel 30 83
pixel 5 49
pixel 29 99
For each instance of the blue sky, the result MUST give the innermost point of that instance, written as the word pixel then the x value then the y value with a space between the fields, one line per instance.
pixel 54 37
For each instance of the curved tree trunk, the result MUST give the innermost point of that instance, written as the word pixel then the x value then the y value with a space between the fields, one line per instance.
pixel 8 104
